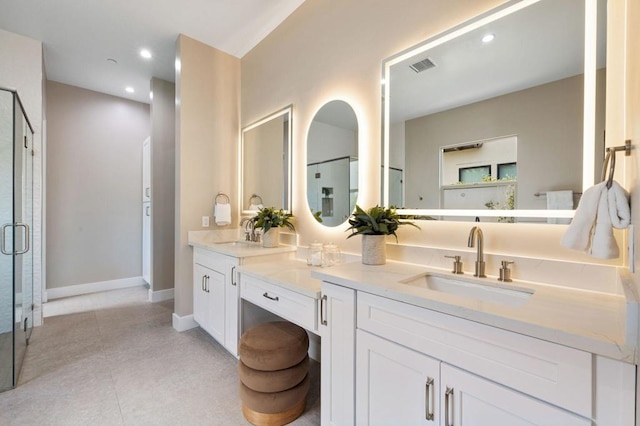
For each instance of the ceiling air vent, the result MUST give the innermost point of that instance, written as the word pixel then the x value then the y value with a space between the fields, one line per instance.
pixel 423 65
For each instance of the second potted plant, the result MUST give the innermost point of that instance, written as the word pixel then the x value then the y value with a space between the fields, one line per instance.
pixel 270 220
pixel 374 225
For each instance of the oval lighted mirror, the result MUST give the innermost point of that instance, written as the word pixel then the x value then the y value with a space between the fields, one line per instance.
pixel 332 163
pixel 501 117
pixel 265 163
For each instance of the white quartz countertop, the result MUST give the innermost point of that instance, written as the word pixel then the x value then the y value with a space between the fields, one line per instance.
pixel 230 243
pixel 293 275
pixel 600 323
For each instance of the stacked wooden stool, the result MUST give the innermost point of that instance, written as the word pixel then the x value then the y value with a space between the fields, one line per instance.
pixel 273 371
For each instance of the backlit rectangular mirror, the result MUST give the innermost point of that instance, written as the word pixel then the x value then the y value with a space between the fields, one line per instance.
pixel 265 163
pixel 501 117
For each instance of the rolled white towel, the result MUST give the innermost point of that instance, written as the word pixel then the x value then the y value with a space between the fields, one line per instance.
pixel 255 207
pixel 600 210
pixel 222 213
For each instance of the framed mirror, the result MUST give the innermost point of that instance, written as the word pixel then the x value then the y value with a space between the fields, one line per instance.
pixel 332 163
pixel 265 163
pixel 501 117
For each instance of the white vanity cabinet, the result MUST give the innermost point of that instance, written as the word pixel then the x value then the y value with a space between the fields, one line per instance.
pixel 215 296
pixel 414 366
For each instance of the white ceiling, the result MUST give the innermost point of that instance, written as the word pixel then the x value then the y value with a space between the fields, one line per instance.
pixel 79 36
pixel 542 43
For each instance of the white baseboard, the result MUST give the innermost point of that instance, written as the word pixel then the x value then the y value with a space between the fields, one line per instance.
pixel 75 290
pixel 160 295
pixel 184 323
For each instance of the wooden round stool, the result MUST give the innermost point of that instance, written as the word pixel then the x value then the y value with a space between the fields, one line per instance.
pixel 273 371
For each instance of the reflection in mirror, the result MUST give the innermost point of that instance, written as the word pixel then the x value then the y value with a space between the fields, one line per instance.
pixel 332 163
pixel 521 72
pixel 266 163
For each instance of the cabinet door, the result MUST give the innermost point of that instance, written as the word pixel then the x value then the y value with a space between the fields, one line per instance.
pixel 231 310
pixel 146 243
pixel 146 170
pixel 395 385
pixel 337 369
pixel 200 295
pixel 215 284
pixel 468 399
pixel 209 301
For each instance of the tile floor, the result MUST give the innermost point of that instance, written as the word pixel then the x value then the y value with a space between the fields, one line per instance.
pixel 113 358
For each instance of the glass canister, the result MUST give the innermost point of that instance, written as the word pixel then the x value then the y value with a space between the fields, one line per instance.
pixel 314 254
pixel 331 255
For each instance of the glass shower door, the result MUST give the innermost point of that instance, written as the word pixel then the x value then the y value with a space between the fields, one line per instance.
pixel 16 217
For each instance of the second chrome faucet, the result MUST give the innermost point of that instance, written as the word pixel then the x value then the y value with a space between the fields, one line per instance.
pixel 476 231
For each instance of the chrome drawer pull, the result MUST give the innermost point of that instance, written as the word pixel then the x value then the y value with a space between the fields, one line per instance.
pixel 269 297
pixel 429 400
pixel 448 406
pixel 323 308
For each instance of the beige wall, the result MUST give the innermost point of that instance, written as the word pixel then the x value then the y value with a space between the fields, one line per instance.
pixel 207 138
pixel 163 147
pixel 328 50
pixel 22 69
pixel 547 120
pixel 94 181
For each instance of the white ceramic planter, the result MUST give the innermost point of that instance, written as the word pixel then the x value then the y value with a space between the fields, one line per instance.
pixel 374 249
pixel 272 238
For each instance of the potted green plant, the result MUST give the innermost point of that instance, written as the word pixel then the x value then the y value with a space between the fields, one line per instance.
pixel 270 220
pixel 374 225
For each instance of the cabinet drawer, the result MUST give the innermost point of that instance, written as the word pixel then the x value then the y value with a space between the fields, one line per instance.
pixel 548 371
pixel 287 304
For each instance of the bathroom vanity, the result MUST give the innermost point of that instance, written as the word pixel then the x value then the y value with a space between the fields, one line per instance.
pixel 411 344
pixel 216 297
pixel 398 351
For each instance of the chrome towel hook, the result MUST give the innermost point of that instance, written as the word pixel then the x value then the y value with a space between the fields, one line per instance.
pixel 610 158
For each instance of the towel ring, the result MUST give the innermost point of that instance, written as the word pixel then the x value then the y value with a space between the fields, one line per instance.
pixel 255 196
pixel 610 158
pixel 222 194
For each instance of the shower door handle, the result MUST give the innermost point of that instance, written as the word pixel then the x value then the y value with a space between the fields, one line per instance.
pixel 26 237
pixel 3 232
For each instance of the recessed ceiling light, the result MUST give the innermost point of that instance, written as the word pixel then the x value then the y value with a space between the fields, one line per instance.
pixel 145 54
pixel 129 90
pixel 488 38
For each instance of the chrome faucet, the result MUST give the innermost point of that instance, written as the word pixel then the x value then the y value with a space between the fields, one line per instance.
pixel 480 249
pixel 249 230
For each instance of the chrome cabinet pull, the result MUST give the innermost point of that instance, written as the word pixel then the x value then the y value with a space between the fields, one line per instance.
pixel 323 310
pixel 269 297
pixel 3 238
pixel 202 283
pixel 206 281
pixel 147 192
pixel 26 237
pixel 448 406
pixel 429 400
pixel 148 211
pixel 233 276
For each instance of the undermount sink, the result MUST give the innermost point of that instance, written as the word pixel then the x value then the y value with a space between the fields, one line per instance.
pixel 504 294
